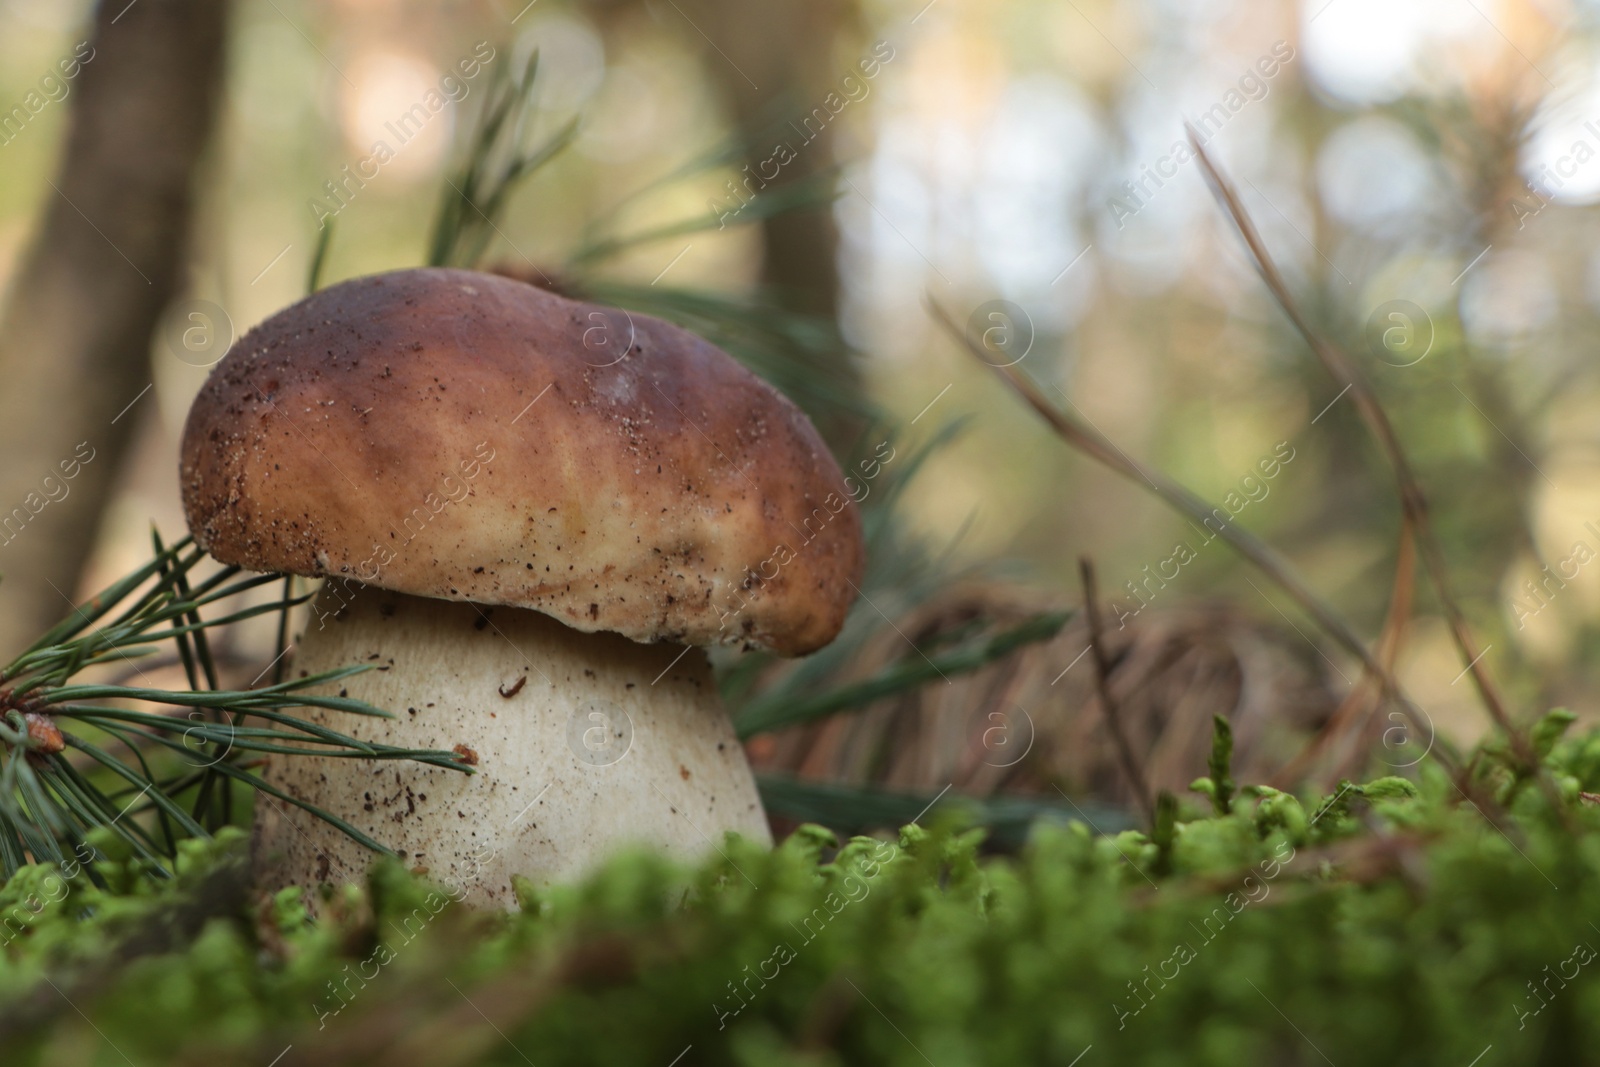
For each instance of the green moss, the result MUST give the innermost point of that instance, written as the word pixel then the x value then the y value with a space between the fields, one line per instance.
pixel 1387 922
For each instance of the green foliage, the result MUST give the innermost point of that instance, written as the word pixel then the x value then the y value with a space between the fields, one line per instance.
pixel 1219 785
pixel 1006 817
pixel 498 159
pixel 1375 930
pixel 183 752
pixel 779 707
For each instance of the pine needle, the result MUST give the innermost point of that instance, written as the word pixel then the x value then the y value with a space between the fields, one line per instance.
pixel 179 778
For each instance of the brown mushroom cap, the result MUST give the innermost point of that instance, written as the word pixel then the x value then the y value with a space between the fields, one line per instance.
pixel 469 437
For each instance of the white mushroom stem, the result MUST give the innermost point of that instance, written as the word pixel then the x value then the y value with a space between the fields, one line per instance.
pixel 584 743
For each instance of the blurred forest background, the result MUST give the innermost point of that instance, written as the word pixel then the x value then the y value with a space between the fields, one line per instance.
pixel 1425 173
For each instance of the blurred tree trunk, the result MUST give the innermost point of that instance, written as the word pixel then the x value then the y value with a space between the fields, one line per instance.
pixel 777 56
pixel 767 57
pixel 75 331
pixel 774 61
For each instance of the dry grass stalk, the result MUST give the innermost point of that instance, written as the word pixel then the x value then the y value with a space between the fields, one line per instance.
pixel 1413 501
pixel 1274 566
pixel 1027 723
pixel 1108 704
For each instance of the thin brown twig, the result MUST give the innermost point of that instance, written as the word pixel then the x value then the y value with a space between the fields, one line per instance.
pixel 1402 597
pixel 1365 699
pixel 1108 705
pixel 1275 567
pixel 1346 373
pixel 1413 501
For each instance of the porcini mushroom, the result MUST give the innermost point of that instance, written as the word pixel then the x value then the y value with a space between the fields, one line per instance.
pixel 533 515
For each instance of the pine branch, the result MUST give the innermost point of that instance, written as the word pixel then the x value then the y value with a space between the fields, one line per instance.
pixel 188 748
pixel 497 161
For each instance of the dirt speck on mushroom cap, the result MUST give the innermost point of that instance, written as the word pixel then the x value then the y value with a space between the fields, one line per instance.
pixel 470 437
